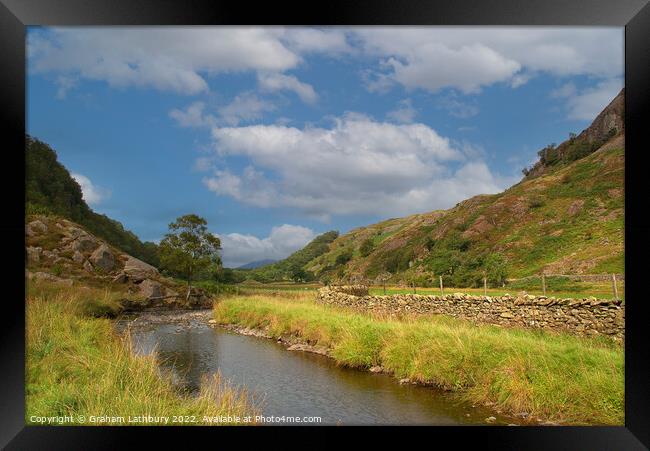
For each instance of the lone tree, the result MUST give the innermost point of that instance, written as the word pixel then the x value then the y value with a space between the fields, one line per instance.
pixel 189 248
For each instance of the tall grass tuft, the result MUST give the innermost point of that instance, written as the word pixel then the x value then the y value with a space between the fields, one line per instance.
pixel 77 366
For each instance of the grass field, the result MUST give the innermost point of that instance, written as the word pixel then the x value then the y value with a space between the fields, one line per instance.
pixel 557 377
pixel 78 367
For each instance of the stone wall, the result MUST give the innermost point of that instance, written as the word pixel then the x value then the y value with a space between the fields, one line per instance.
pixel 579 316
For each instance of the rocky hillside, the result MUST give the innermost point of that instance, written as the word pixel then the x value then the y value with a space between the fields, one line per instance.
pixel 50 189
pixel 62 252
pixel 565 217
pixel 609 123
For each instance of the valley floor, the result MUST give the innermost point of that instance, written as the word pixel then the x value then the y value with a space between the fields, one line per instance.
pixel 79 370
pixel 532 374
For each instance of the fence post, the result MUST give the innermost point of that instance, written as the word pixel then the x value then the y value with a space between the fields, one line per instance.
pixel 485 286
pixel 442 290
pixel 415 290
pixel 614 286
pixel 544 284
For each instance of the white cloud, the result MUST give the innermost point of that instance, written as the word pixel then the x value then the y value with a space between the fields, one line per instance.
pixel 272 82
pixel 588 103
pixel 404 113
pixel 64 84
pixel 239 249
pixel 92 194
pixel 469 58
pixel 244 108
pixel 564 91
pixel 430 58
pixel 166 58
pixel 193 116
pixel 330 41
pixel 358 166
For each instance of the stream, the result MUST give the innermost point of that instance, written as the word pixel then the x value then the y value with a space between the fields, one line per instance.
pixel 290 383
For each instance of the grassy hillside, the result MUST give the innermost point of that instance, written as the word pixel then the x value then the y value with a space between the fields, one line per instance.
pixel 565 217
pixel 293 266
pixel 50 190
pixel 567 221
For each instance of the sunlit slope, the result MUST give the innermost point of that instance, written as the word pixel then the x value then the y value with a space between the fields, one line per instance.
pixel 565 217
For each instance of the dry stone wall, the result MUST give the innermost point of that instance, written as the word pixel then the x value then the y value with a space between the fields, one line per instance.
pixel 588 316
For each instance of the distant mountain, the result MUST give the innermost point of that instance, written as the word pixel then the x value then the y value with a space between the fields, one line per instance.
pixel 51 190
pixel 257 264
pixel 565 217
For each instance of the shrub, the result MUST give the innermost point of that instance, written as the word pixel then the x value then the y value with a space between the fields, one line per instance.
pixel 344 257
pixel 366 247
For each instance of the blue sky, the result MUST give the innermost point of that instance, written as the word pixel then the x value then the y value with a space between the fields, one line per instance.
pixel 275 135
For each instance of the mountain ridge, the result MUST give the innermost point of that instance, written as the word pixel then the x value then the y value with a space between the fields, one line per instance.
pixel 564 216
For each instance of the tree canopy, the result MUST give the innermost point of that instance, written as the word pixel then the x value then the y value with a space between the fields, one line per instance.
pixel 188 248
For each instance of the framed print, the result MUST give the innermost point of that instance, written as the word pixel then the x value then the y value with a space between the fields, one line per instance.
pixel 352 215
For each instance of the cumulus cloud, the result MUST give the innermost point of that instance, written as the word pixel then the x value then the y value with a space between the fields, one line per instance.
pixel 193 116
pixel 239 249
pixel 588 103
pixel 358 166
pixel 245 107
pixel 331 41
pixel 166 58
pixel 430 58
pixel 404 113
pixel 92 194
pixel 272 82
pixel 469 58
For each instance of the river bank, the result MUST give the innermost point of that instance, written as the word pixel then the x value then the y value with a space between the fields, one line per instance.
pixel 542 378
pixel 80 372
pixel 304 385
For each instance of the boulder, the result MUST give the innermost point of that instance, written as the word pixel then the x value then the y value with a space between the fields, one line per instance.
pixel 138 270
pixel 151 289
pixel 84 243
pixel 35 227
pixel 103 258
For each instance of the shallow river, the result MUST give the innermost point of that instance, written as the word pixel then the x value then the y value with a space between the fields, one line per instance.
pixel 290 383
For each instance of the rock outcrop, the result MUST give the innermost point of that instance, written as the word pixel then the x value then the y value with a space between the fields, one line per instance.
pixel 138 270
pixel 35 227
pixel 55 242
pixel 103 258
pixel 151 289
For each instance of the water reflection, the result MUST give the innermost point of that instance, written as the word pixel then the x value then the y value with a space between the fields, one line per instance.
pixel 297 383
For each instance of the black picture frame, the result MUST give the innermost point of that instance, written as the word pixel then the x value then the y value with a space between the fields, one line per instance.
pixel 634 15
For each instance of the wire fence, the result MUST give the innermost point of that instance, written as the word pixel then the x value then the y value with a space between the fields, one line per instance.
pixel 544 283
